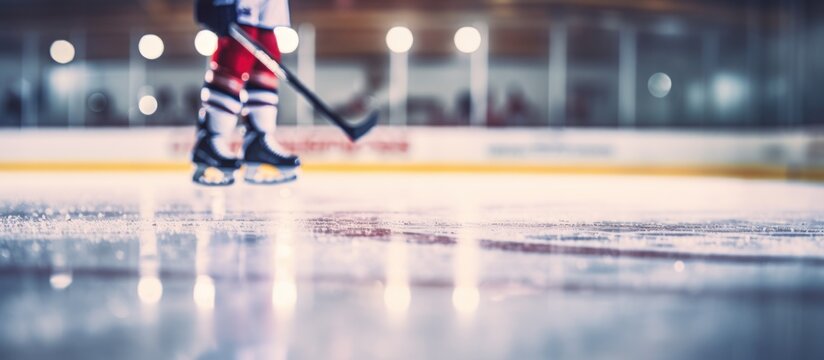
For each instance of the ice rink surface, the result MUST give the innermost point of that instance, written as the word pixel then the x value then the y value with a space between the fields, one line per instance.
pixel 410 266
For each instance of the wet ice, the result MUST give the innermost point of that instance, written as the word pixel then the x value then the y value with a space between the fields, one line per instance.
pixel 427 266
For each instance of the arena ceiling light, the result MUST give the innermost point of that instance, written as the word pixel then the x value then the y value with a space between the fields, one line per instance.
pixel 729 91
pixel 151 46
pixel 399 39
pixel 62 51
pixel 206 42
pixel 288 39
pixel 659 85
pixel 147 105
pixel 468 39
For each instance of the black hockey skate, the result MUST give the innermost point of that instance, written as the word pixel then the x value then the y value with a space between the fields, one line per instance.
pixel 265 163
pixel 211 167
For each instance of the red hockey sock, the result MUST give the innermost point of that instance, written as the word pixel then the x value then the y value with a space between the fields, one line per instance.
pixel 231 64
pixel 270 42
pixel 262 88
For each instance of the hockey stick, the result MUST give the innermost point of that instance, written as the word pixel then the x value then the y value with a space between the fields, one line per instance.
pixel 354 131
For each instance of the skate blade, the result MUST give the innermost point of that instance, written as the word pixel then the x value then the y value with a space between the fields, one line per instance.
pixel 264 174
pixel 211 176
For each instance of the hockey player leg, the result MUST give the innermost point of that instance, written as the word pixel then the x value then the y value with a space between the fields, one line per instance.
pixel 215 162
pixel 266 161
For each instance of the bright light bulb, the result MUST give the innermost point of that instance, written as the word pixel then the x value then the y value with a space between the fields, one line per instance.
pixel 147 105
pixel 399 39
pixel 62 51
pixel 206 42
pixel 288 39
pixel 468 39
pixel 659 85
pixel 729 91
pixel 151 46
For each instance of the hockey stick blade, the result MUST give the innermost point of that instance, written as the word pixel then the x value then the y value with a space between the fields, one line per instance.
pixel 353 131
pixel 357 131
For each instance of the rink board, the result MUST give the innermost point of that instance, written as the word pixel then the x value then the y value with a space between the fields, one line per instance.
pixel 753 155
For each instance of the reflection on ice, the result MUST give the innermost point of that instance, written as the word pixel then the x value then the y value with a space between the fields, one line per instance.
pixel 678 266
pixel 461 279
pixel 61 277
pixel 284 288
pixel 60 280
pixel 466 299
pixel 284 296
pixel 150 289
pixel 149 262
pixel 204 293
pixel 396 294
pixel 465 295
pixel 203 237
pixel 218 204
pixel 397 297
pixel 147 203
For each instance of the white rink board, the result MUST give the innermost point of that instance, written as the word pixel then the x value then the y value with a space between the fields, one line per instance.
pixel 465 146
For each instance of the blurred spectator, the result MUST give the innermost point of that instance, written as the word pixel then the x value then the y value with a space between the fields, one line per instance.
pixel 102 110
pixel 191 104
pixel 463 108
pixel 426 111
pixel 12 110
pixel 355 106
pixel 517 111
pixel 364 99
pixel 99 104
pixel 493 117
pixel 579 106
pixel 166 112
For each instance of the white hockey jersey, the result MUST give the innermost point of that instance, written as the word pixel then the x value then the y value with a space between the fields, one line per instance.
pixel 266 14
